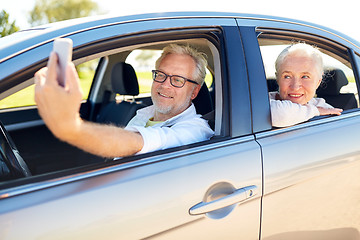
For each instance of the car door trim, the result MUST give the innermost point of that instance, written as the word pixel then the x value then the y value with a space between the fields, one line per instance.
pixel 323 120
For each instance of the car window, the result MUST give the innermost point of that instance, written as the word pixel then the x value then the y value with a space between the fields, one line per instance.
pixel 338 86
pixel 25 97
pixel 143 61
pixel 95 72
pixel 86 73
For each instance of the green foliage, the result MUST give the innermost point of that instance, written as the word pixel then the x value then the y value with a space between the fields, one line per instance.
pixel 145 57
pixel 48 11
pixel 6 28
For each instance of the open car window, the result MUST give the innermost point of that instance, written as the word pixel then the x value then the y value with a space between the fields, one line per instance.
pixel 36 143
pixel 142 61
pixel 338 86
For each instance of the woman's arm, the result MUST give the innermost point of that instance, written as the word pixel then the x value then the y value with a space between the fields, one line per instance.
pixel 286 113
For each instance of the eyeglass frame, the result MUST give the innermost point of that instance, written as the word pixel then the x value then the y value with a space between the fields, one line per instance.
pixel 170 76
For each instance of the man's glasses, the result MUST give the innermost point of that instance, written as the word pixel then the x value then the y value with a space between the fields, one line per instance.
pixel 175 80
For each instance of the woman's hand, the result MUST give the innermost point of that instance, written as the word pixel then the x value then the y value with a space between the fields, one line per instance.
pixel 330 111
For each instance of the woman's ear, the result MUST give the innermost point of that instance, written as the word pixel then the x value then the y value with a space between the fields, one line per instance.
pixel 319 82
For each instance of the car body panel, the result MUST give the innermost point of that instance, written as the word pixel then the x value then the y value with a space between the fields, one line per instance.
pixel 309 191
pixel 134 202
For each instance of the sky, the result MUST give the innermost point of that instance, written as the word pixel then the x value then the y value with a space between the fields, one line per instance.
pixel 342 16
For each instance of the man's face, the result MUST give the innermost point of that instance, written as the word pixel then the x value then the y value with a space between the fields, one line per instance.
pixel 168 100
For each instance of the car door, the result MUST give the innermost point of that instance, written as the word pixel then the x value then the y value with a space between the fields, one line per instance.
pixel 206 190
pixel 310 169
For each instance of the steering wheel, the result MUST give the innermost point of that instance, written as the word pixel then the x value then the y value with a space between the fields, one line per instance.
pixel 12 165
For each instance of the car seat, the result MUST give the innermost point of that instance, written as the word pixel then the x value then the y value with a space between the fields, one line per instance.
pixel 125 83
pixel 204 105
pixel 272 85
pixel 329 89
pixel 203 102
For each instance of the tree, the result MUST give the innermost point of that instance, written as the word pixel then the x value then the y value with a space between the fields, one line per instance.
pixel 48 11
pixel 145 57
pixel 7 28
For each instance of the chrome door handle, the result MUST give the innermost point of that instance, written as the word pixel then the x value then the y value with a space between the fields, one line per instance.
pixel 237 196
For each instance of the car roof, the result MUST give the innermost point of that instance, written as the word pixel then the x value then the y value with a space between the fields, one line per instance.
pixel 32 37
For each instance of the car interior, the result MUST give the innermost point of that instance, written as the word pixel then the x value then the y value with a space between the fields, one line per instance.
pixel 115 87
pixel 114 98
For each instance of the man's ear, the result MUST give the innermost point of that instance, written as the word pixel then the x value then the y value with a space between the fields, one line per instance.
pixel 195 92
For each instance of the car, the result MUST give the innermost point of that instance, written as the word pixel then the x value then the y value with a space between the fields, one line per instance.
pixel 249 181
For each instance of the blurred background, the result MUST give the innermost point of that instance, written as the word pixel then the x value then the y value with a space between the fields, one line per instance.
pixel 342 15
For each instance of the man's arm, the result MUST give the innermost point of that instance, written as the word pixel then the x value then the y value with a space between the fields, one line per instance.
pixel 59 108
pixel 104 140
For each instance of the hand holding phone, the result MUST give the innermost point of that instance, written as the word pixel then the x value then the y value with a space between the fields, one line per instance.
pixel 63 48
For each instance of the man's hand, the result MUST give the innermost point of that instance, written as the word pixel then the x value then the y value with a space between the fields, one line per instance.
pixel 329 111
pixel 58 106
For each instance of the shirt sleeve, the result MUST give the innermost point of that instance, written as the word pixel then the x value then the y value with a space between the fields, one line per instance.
pixel 286 113
pixel 320 102
pixel 182 133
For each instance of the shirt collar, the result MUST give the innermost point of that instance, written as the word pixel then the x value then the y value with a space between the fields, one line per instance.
pixel 148 112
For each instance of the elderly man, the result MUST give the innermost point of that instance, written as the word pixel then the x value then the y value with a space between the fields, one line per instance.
pixel 171 121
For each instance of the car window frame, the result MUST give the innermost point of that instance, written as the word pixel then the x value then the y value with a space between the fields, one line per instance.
pixel 221 77
pixel 342 51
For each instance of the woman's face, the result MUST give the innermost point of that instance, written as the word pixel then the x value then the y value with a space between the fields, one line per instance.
pixel 298 78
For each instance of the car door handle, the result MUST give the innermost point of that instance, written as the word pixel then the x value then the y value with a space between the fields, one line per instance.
pixel 237 196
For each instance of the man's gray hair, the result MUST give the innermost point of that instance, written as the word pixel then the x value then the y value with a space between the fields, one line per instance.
pixel 199 58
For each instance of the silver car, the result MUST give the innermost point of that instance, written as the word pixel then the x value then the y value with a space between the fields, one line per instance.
pixel 250 181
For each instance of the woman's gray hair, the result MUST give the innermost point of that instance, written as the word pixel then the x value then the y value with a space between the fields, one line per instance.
pixel 302 49
pixel 199 58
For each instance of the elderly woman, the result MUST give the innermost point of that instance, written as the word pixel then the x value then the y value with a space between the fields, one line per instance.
pixel 299 70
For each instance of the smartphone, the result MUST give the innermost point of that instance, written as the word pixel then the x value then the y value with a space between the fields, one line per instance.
pixel 63 48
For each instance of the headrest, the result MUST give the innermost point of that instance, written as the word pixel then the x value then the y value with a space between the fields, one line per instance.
pixel 332 82
pixel 203 102
pixel 272 85
pixel 124 80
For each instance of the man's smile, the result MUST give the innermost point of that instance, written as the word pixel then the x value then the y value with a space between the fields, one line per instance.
pixel 164 95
